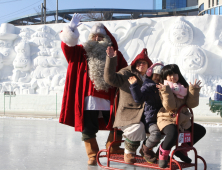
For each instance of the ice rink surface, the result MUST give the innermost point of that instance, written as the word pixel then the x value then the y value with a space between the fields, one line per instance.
pixel 45 144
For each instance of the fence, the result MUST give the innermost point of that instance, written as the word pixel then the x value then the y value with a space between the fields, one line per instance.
pixel 31 104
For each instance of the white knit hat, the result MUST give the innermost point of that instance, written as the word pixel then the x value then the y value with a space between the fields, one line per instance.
pixel 98 28
pixel 157 69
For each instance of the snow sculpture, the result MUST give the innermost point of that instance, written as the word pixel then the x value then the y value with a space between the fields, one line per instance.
pixel 179 35
pixel 193 62
pixel 7 53
pixel 193 59
pixel 219 42
pixel 132 37
pixel 7 36
pixel 7 32
pixel 5 43
pixel 22 63
pixel 24 36
pixel 44 58
pixel 42 37
pixel 56 52
pixel 1 61
pixel 48 63
pixel 41 67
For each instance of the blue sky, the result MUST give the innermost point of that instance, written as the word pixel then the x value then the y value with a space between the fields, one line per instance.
pixel 10 9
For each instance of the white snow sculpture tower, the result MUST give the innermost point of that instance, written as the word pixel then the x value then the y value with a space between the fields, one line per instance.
pixel 7 55
pixel 47 63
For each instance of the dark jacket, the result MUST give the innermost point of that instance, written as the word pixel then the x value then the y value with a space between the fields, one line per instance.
pixel 149 94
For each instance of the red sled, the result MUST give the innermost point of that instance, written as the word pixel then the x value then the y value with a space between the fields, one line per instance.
pixel 184 137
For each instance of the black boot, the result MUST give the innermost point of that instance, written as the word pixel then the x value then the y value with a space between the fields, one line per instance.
pixel 183 157
pixel 182 154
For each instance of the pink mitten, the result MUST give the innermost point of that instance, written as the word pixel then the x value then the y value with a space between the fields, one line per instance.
pixel 177 89
pixel 166 82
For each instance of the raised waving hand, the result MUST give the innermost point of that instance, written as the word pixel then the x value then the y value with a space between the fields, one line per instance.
pixel 76 18
pixel 196 83
pixel 160 86
pixel 110 52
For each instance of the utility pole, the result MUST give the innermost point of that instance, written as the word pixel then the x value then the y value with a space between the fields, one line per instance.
pixel 44 11
pixel 57 4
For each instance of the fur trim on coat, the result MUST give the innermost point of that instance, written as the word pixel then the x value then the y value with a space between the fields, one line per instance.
pixel 69 37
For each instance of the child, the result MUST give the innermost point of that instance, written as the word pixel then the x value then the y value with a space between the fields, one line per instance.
pixel 150 94
pixel 172 99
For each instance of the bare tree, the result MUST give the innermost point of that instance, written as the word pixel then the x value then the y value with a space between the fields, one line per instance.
pixel 38 11
pixel 94 16
pixel 98 16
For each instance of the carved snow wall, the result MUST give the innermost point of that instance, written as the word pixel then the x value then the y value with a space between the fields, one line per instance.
pixel 31 60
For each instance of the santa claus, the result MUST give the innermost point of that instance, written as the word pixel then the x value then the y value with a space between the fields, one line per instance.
pixel 87 96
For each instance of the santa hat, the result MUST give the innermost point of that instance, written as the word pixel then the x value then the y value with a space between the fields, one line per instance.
pixel 142 56
pixel 98 28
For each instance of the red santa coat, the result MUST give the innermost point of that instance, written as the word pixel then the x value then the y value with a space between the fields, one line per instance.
pixel 78 85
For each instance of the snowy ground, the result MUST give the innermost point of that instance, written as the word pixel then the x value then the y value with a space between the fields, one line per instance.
pixel 45 144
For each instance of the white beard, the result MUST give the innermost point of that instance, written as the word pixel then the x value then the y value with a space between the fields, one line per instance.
pixel 96 56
